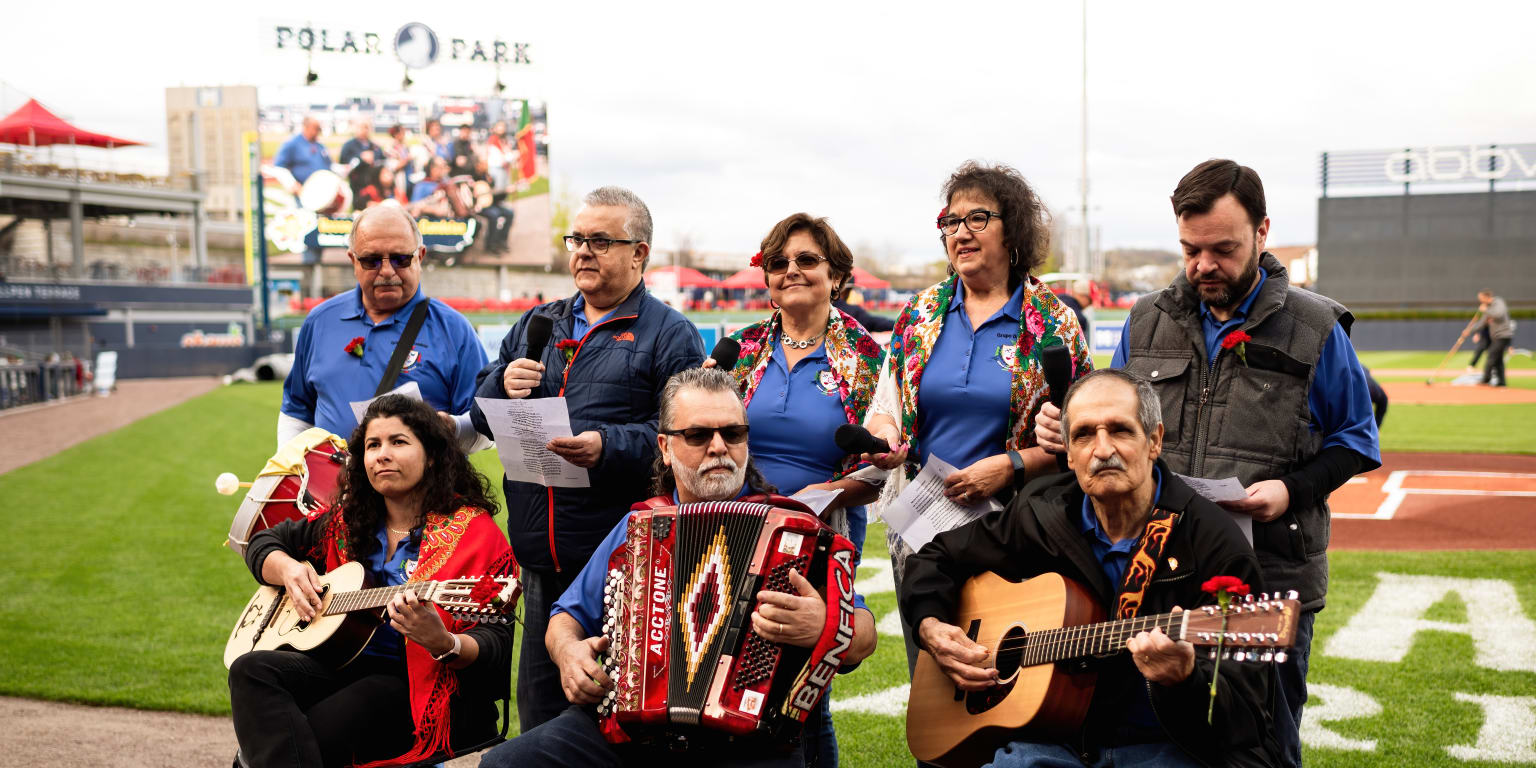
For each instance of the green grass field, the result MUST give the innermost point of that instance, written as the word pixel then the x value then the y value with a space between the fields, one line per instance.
pixel 118 591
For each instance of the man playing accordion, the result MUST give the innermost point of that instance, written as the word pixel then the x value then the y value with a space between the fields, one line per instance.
pixel 701 457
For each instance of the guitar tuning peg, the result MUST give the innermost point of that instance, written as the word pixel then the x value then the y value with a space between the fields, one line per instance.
pixel 1292 595
pixel 1264 596
pixel 1213 654
pixel 1280 656
pixel 1237 655
pixel 1227 654
pixel 1268 656
pixel 1248 598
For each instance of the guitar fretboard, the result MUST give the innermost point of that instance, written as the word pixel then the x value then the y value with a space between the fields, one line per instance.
pixel 1052 645
pixel 364 599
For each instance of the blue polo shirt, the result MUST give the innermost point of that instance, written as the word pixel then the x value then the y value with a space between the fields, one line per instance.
pixel 967 379
pixel 579 324
pixel 1340 395
pixel 583 600
pixel 423 190
pixel 325 379
pixel 302 157
pixel 792 445
pixel 1113 557
pixel 386 641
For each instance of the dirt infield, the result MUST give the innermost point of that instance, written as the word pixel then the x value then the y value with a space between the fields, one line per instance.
pixel 1439 501
pixel 52 428
pixel 1446 374
pixel 1417 393
pixel 47 733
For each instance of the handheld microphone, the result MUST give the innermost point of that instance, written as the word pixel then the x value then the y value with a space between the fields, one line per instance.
pixel 539 328
pixel 853 439
pixel 1056 362
pixel 726 351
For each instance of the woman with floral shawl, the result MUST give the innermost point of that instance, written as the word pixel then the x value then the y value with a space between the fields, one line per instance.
pixel 803 372
pixel 962 379
pixel 410 508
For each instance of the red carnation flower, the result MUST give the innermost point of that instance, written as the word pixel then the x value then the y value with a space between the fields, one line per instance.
pixel 568 348
pixel 355 347
pixel 942 213
pixel 1232 585
pixel 1237 341
pixel 487 592
pixel 757 260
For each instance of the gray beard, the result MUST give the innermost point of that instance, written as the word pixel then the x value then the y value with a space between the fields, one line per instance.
pixel 711 487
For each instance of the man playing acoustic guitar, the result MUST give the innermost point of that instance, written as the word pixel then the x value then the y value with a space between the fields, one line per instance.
pixel 1141 542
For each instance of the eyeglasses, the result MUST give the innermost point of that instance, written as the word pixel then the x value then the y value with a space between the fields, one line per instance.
pixel 399 260
pixel 805 261
pixel 975 221
pixel 734 434
pixel 597 244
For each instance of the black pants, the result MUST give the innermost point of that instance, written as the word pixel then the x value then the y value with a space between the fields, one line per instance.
pixel 539 695
pixel 1493 367
pixel 291 710
pixel 573 739
pixel 1482 346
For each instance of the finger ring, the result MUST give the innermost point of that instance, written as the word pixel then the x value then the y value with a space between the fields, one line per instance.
pixel 781 627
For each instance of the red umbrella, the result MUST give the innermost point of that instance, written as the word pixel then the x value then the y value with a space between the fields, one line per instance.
pixel 34 126
pixel 864 279
pixel 687 277
pixel 751 277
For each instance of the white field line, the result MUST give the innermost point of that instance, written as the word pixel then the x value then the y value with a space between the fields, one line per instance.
pixel 1396 493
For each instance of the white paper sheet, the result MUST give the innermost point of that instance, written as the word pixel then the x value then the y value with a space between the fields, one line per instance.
pixel 922 511
pixel 816 500
pixel 410 389
pixel 1225 489
pixel 521 428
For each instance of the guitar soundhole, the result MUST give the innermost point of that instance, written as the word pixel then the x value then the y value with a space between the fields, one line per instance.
pixel 1010 651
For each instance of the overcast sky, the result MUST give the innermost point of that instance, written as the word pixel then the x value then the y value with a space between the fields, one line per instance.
pixel 726 117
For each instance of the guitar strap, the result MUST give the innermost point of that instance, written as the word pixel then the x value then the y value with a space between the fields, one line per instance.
pixel 1138 573
pixel 402 348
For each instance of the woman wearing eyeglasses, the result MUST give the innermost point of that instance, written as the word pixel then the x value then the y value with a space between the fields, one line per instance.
pixel 803 372
pixel 962 379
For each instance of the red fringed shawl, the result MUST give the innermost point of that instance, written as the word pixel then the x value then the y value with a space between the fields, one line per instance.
pixel 467 543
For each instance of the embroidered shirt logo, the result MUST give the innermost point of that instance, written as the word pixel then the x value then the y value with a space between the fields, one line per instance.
pixel 826 383
pixel 624 336
pixel 411 359
pixel 1005 355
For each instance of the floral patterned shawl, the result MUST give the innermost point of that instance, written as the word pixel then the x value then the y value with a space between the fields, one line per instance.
pixel 853 356
pixel 1044 321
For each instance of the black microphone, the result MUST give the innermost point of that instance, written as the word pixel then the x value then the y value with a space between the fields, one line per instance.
pixel 853 439
pixel 725 353
pixel 539 328
pixel 1056 361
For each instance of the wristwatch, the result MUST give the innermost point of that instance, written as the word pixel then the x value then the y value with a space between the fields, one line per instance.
pixel 1020 474
pixel 450 655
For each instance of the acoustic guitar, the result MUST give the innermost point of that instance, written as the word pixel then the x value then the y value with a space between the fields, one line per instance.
pixel 349 614
pixel 1030 629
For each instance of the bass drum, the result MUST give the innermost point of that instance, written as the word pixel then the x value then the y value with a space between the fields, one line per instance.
pixel 299 482
pixel 325 193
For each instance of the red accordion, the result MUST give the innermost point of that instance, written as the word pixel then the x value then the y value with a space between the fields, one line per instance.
pixel 678 609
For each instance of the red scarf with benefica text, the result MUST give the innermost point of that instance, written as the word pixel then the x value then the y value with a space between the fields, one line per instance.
pixel 467 543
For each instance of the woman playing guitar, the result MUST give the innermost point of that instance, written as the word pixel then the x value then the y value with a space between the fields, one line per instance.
pixel 409 508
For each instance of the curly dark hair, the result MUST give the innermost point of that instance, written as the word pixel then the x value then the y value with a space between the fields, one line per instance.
pixel 1026 231
pixel 448 480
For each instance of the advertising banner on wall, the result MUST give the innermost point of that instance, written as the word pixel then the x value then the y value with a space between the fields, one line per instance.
pixel 473 171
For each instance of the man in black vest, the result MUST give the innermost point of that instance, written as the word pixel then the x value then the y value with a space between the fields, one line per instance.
pixel 1258 380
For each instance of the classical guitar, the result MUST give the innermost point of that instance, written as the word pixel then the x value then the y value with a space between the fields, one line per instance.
pixel 1031 627
pixel 349 614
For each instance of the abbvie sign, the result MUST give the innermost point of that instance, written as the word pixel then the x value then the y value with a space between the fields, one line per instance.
pixel 1515 162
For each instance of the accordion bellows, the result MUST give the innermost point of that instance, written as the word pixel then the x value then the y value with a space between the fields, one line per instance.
pixel 677 613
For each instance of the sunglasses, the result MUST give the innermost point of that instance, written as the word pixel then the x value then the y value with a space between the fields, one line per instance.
pixel 399 260
pixel 734 434
pixel 805 261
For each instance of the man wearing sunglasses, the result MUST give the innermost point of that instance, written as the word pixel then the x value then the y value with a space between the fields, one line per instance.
pixel 611 349
pixel 346 343
pixel 701 456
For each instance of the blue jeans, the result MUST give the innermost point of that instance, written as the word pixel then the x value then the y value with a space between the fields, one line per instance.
pixel 573 739
pixel 1291 693
pixel 1023 754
